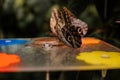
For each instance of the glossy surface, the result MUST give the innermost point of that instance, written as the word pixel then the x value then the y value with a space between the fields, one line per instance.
pixel 35 57
pixel 12 45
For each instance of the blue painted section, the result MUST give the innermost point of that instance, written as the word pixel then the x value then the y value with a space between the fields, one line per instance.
pixel 8 42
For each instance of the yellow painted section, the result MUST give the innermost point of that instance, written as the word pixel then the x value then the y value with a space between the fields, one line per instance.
pixel 100 57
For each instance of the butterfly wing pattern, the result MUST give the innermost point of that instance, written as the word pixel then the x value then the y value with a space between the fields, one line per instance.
pixel 67 27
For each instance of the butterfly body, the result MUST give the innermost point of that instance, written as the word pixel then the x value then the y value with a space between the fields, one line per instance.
pixel 67 27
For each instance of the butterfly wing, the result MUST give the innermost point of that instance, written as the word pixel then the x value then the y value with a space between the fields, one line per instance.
pixel 67 27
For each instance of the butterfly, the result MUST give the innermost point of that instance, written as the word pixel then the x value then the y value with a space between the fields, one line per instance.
pixel 67 27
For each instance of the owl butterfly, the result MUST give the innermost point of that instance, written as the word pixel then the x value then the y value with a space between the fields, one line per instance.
pixel 67 27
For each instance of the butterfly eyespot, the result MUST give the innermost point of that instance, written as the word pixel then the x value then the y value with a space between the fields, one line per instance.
pixel 79 30
pixel 69 38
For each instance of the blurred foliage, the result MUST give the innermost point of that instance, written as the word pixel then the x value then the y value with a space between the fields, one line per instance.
pixel 110 17
pixel 28 18
pixel 24 18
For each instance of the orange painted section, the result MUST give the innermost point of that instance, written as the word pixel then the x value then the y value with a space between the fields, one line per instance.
pixel 8 59
pixel 90 41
